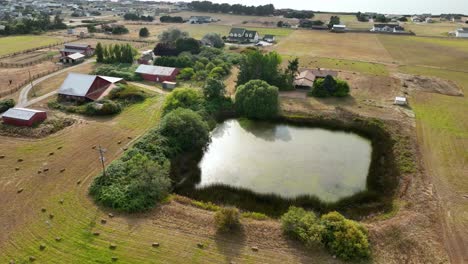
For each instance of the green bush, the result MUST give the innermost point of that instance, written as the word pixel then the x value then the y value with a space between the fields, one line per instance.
pixel 257 99
pixel 213 89
pixel 6 104
pixel 345 238
pixel 185 130
pixel 186 74
pixel 127 93
pixel 227 219
pixel 328 86
pixel 132 185
pixel 302 225
pixel 125 71
pixel 103 107
pixel 183 98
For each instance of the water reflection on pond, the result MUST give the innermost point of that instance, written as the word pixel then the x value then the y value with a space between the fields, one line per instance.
pixel 286 160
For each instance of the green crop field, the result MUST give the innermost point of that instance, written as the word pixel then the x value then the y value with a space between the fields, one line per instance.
pixel 18 43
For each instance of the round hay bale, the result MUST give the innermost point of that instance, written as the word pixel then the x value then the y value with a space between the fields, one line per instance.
pixel 62 170
pixel 51 154
pixel 42 246
pixel 155 244
pixel 2 156
pixel 58 239
pixel 17 169
pixel 129 137
pixel 125 149
pixel 20 190
pixel 43 209
pixel 20 160
pixel 115 258
pixel 111 215
pixel 200 245
pixel 255 249
pixel 12 261
pixel 39 172
pixel 103 221
pixel 51 216
pixel 78 182
pixel 96 233
pixel 119 142
pixel 61 201
pixel 45 170
pixel 112 246
pixel 32 258
pixel 94 147
pixel 59 147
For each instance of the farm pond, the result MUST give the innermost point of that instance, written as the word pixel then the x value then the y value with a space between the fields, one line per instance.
pixel 285 160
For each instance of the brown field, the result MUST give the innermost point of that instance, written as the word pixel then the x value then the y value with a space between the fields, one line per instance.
pixel 31 57
pixel 314 43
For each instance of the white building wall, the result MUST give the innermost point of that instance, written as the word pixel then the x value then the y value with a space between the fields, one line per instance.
pixel 461 35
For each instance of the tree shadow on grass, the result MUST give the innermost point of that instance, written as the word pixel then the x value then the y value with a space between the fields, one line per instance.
pixel 230 244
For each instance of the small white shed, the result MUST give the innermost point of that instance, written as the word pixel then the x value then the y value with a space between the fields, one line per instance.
pixel 399 100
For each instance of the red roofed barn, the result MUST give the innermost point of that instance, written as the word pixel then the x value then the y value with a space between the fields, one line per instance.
pixel 23 117
pixel 71 48
pixel 157 73
pixel 84 87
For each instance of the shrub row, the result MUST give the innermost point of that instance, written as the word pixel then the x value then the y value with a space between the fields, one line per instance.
pixel 6 104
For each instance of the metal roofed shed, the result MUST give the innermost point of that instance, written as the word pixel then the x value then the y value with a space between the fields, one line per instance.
pixel 73 58
pixel 82 87
pixel 169 85
pixel 339 28
pixel 399 100
pixel 157 73
pixel 23 117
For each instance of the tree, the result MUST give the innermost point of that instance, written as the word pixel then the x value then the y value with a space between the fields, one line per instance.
pixel 188 44
pixel 213 89
pixel 292 70
pixel 183 98
pixel 91 28
pixel 99 53
pixel 381 18
pixel 144 32
pixel 214 40
pixel 255 65
pixel 6 104
pixel 301 225
pixel 165 49
pixel 185 130
pixel 257 99
pixel 405 19
pixel 329 87
pixel 280 24
pixel 334 20
pixel 172 35
pixel 345 238
pixel 186 74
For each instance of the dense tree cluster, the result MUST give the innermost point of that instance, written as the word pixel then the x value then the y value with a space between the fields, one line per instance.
pixel 171 19
pixel 334 20
pixel 296 14
pixel 213 40
pixel 255 65
pixel 362 17
pixel 257 99
pixel 144 32
pixel 136 17
pixel 207 6
pixel 329 86
pixel 118 53
pixel 344 238
pixel 115 29
pixel 306 23
pixel 39 23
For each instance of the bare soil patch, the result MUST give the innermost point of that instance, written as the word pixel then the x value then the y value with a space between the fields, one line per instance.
pixel 429 84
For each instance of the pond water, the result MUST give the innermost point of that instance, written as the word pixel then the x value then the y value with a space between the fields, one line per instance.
pixel 286 160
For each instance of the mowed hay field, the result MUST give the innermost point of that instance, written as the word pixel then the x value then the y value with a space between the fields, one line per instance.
pixel 442 129
pixel 18 43
pixel 446 53
pixel 314 43
pixel 76 221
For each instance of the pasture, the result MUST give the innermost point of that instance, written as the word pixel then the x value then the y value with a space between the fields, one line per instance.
pixel 19 43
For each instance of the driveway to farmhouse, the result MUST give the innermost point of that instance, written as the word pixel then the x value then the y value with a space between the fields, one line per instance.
pixel 23 96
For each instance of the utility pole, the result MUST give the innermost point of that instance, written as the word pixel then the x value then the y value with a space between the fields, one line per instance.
pixel 102 159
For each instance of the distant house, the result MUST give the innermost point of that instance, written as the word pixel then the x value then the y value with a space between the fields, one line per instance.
pixel 243 35
pixel 269 38
pixel 73 58
pixel 461 33
pixel 417 19
pixel 338 28
pixel 200 19
pixel 390 28
pixel 429 20
pixel 23 117
pixel 306 77
pixel 70 48
pixel 157 73
pixel 83 87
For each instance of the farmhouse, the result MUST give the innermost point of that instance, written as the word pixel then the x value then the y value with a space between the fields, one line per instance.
pixel 23 117
pixel 73 58
pixel 157 73
pixel 200 19
pixel 84 49
pixel 306 77
pixel 461 33
pixel 338 28
pixel 242 35
pixel 391 28
pixel 84 87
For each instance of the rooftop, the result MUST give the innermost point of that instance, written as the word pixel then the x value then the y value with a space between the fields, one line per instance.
pixel 155 70
pixel 21 113
pixel 77 84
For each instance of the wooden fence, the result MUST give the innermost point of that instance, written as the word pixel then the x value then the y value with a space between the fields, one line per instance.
pixel 18 86
pixel 53 59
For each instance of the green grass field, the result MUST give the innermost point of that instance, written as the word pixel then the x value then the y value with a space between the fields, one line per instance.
pixel 18 43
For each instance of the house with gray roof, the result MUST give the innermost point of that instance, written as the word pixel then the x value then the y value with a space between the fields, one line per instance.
pixel 242 35
pixel 71 48
pixel 157 73
pixel 83 87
